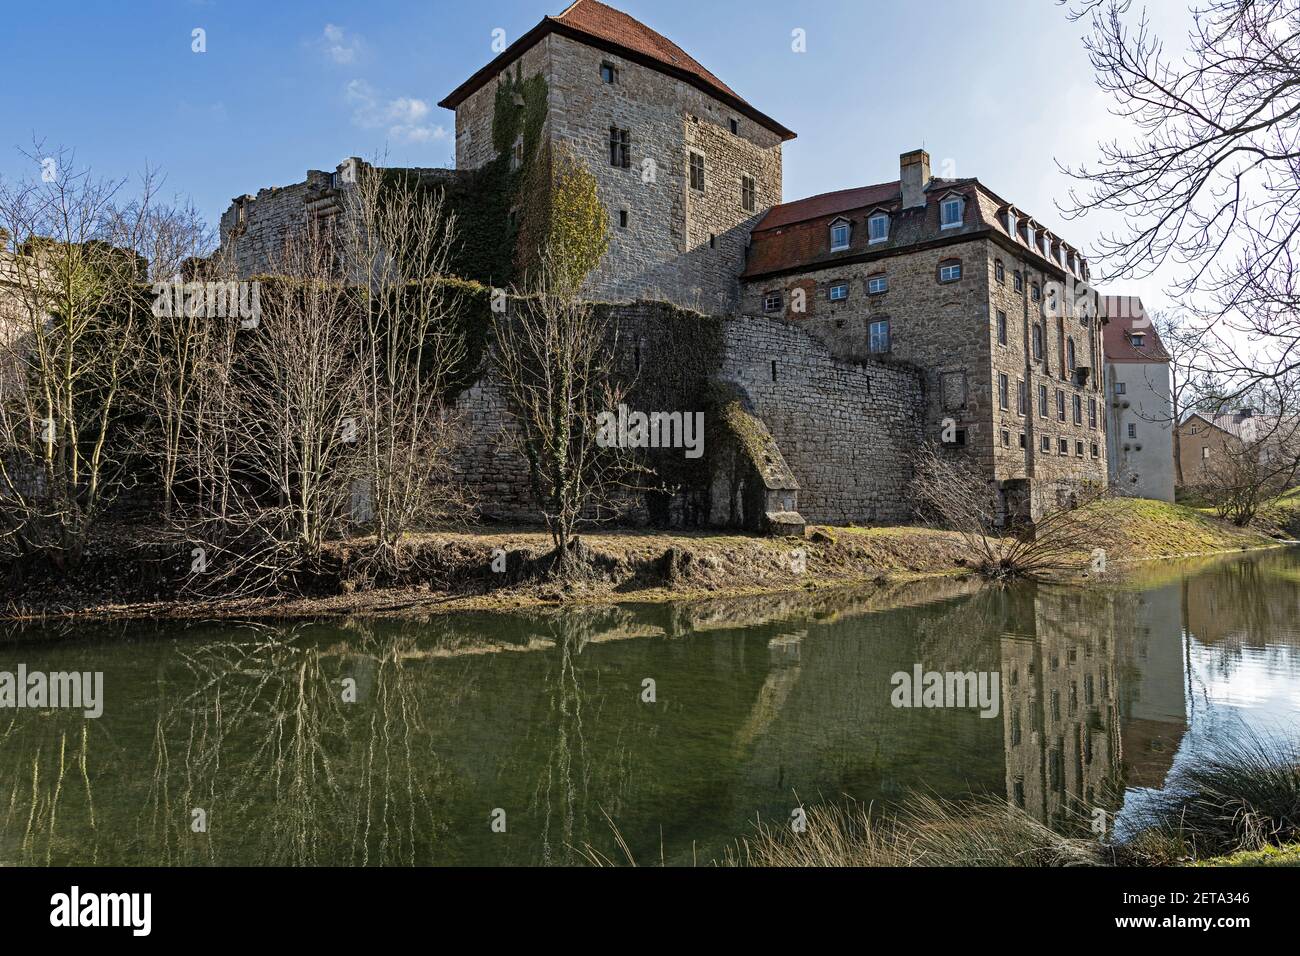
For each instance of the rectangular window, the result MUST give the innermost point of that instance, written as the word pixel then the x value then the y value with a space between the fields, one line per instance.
pixel 1021 398
pixel 1078 449
pixel 1132 430
pixel 697 172
pixel 878 228
pixel 1096 452
pixel 839 291
pixel 622 218
pixel 1078 410
pixel 1060 405
pixel 772 302
pixel 1062 446
pixel 1019 282
pixel 1092 413
pixel 1006 438
pixel 1002 328
pixel 879 336
pixel 1138 339
pixel 877 284
pixel 839 236
pixel 608 73
pixel 747 193
pixel 1022 439
pixel 620 147
pixel 1038 342
pixel 735 127
pixel 949 271
pixel 1042 401
pixel 1205 452
pixel 1120 388
pixel 999 272
pixel 1003 389
pixel 1047 443
pixel 951 213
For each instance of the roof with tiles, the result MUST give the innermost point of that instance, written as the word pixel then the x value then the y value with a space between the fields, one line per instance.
pixel 1127 317
pixel 592 22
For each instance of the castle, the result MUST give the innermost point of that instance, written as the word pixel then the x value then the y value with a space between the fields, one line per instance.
pixel 856 325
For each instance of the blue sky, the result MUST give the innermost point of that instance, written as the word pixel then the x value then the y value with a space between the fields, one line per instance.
pixel 996 89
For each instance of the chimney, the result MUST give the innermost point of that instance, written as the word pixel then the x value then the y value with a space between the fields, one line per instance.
pixel 914 173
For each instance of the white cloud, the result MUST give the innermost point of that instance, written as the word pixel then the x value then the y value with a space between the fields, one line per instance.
pixel 404 118
pixel 339 46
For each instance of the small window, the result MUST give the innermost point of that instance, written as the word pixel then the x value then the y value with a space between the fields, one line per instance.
pixel 713 241
pixel 1063 446
pixel 877 284
pixel 999 272
pixel 1069 354
pixel 839 291
pixel 1060 405
pixel 1132 430
pixel 1092 413
pixel 622 218
pixel 1004 388
pixel 1022 439
pixel 1138 339
pixel 950 270
pixel 1120 388
pixel 735 126
pixel 1002 327
pixel 878 227
pixel 1042 401
pixel 1006 438
pixel 1078 449
pixel 839 235
pixel 878 336
pixel 697 172
pixel 1018 281
pixel 620 147
pixel 1096 452
pixel 772 301
pixel 608 73
pixel 747 193
pixel 1034 292
pixel 1022 398
pixel 1047 443
pixel 1078 410
pixel 1205 452
pixel 951 213
pixel 1038 342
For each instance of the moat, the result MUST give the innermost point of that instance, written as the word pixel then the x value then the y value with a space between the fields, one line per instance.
pixel 403 742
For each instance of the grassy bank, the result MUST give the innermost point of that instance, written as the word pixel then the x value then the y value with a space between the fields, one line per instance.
pixel 453 570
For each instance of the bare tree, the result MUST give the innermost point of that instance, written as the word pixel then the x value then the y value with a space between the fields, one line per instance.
pixel 949 491
pixel 1211 181
pixel 398 242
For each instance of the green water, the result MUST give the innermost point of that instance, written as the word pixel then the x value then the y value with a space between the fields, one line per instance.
pixel 761 705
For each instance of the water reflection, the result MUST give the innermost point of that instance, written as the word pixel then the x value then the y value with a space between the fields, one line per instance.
pixel 395 742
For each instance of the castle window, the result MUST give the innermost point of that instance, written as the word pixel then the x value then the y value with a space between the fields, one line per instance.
pixel 1034 292
pixel 839 291
pixel 1000 272
pixel 878 336
pixel 771 301
pixel 1078 410
pixel 1060 405
pixel 1069 354
pixel 878 227
pixel 1002 327
pixel 1019 281
pixel 1078 449
pixel 1022 439
pixel 735 126
pixel 1063 446
pixel 839 235
pixel 1042 401
pixel 697 172
pixel 1004 389
pixel 951 213
pixel 608 73
pixel 713 241
pixel 1022 399
pixel 878 284
pixel 620 147
pixel 747 193
pixel 1096 452
pixel 1205 452
pixel 1047 443
pixel 950 270
pixel 622 218
pixel 1092 413
pixel 1006 438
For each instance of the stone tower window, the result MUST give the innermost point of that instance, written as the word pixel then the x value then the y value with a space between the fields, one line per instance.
pixel 608 73
pixel 949 270
pixel 697 172
pixel 622 218
pixel 999 272
pixel 620 147
pixel 877 284
pixel 735 126
pixel 878 336
pixel 747 193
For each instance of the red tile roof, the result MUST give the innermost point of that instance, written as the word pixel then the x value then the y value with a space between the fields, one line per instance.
pixel 596 24
pixel 1128 315
pixel 829 204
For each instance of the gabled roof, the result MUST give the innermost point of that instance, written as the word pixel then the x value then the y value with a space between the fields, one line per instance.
pixel 1127 316
pixel 603 27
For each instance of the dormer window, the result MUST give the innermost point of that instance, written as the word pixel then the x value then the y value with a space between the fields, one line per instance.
pixel 878 227
pixel 1011 223
pixel 951 210
pixel 1139 339
pixel 839 235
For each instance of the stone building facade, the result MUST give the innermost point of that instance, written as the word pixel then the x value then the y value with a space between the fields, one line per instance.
pixel 685 167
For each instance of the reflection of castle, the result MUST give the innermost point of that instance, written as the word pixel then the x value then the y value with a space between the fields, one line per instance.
pixel 1153 702
pixel 1061 722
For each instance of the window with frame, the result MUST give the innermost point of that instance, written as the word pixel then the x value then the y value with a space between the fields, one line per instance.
pixel 999 272
pixel 1078 410
pixel 1092 413
pixel 1205 452
pixel 1006 438
pixel 950 270
pixel 1002 327
pixel 748 193
pixel 697 172
pixel 1120 388
pixel 877 284
pixel 1018 281
pixel 839 292
pixel 1004 389
pixel 1132 430
pixel 1063 446
pixel 1138 339
pixel 1069 354
pixel 608 73
pixel 622 218
pixel 735 126
pixel 839 235
pixel 620 147
pixel 878 228
pixel 878 336
pixel 1046 443
pixel 1038 342
pixel 1096 452
pixel 1078 449
pixel 1034 292
pixel 1042 401
pixel 1022 398
pixel 951 210
pixel 772 301
pixel 1060 405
